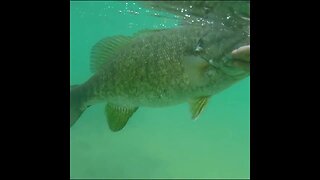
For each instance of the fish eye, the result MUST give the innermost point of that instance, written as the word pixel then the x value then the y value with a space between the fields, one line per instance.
pixel 199 46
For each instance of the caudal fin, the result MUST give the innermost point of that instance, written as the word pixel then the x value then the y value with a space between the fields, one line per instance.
pixel 76 103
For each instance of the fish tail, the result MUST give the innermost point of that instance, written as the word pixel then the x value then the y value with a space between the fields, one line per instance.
pixel 77 103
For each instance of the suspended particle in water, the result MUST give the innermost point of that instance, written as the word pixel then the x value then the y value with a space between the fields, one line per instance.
pixel 228 17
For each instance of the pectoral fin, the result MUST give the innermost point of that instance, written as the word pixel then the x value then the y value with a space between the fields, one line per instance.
pixel 118 116
pixel 196 67
pixel 197 105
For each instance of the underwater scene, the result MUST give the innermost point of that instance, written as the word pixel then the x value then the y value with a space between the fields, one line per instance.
pixel 159 89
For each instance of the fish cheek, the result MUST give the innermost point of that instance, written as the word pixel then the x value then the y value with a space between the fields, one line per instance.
pixel 195 68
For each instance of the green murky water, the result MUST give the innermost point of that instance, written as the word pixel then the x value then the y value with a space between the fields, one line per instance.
pixel 156 142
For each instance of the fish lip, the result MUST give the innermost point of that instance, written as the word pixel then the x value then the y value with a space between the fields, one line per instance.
pixel 228 59
pixel 230 62
pixel 244 65
pixel 237 76
pixel 241 60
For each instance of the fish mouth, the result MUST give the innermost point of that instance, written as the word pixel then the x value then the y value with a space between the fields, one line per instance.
pixel 241 64
pixel 237 64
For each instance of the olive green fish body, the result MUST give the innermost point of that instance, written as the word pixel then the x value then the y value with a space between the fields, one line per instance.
pixel 151 71
pixel 160 68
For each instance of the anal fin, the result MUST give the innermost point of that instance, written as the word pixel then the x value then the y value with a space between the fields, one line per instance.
pixel 197 105
pixel 118 116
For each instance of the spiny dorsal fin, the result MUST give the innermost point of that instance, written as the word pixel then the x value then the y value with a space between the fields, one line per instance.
pixel 103 50
pixel 118 116
pixel 197 105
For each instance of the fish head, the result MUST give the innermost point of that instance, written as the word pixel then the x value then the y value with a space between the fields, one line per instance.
pixel 227 51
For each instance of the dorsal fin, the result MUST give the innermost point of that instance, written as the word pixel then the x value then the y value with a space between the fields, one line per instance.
pixel 103 50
